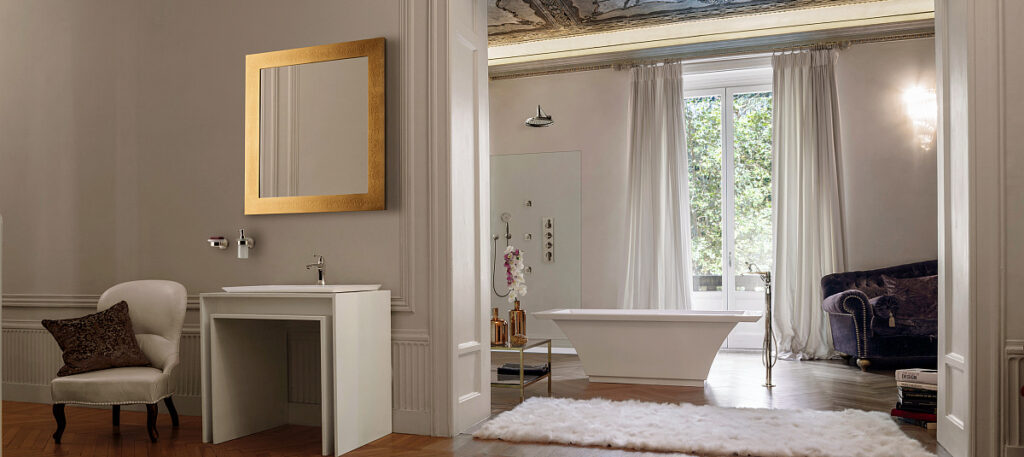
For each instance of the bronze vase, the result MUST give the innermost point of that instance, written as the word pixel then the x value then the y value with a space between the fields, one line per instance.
pixel 517 323
pixel 499 330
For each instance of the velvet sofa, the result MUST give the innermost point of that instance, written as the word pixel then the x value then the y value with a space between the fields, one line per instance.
pixel 873 322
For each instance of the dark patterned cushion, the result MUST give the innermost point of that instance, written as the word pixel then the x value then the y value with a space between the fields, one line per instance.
pixel 98 341
pixel 919 296
pixel 887 306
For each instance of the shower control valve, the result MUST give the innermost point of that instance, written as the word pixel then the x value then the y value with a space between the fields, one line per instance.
pixel 548 237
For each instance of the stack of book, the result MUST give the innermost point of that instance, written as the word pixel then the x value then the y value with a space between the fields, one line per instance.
pixel 917 391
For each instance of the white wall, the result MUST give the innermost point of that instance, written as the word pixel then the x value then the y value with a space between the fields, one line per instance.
pixel 122 151
pixel 64 84
pixel 591 116
pixel 551 183
pixel 889 182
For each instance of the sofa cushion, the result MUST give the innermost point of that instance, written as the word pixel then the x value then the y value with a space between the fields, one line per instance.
pixel 906 327
pixel 114 386
pixel 889 306
pixel 97 341
pixel 919 296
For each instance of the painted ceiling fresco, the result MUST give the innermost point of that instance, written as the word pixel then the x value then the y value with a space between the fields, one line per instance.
pixel 513 21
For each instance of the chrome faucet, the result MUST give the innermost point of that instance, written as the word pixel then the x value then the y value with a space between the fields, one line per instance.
pixel 320 266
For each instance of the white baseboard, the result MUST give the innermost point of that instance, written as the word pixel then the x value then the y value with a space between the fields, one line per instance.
pixel 30 393
pixel 411 422
pixel 298 413
pixel 304 414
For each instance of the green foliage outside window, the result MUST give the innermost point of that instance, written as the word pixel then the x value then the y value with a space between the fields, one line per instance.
pixel 704 147
pixel 752 149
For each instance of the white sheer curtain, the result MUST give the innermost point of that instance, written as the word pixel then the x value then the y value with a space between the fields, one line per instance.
pixel 809 230
pixel 658 268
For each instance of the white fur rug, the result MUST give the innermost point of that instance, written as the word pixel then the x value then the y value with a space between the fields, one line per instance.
pixel 703 430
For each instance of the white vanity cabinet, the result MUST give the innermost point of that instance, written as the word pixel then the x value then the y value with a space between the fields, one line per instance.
pixel 245 364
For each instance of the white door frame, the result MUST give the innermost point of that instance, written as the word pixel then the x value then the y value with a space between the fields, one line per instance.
pixel 971 50
pixel 972 236
pixel 458 214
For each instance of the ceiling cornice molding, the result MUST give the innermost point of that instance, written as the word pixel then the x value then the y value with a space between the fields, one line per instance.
pixel 521 21
pixel 880 32
pixel 763 27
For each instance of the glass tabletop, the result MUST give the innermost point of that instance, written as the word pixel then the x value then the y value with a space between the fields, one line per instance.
pixel 529 344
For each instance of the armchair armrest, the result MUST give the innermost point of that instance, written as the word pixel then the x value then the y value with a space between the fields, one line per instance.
pixel 850 301
pixel 853 303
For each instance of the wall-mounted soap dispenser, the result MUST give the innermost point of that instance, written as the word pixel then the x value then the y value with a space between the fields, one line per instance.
pixel 244 244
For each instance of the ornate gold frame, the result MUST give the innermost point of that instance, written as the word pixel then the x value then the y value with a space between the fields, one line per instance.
pixel 374 199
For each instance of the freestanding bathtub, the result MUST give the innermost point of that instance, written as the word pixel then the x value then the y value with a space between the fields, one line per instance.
pixel 641 346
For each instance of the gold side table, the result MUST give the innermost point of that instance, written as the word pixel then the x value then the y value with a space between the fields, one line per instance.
pixel 524 381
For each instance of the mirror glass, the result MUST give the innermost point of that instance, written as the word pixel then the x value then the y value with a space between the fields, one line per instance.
pixel 313 129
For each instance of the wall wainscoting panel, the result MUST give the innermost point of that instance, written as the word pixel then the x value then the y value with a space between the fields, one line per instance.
pixel 410 368
pixel 31 359
pixel 31 356
pixel 1014 416
pixel 303 367
pixel 188 374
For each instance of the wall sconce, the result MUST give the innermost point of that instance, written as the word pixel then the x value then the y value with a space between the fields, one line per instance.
pixel 922 109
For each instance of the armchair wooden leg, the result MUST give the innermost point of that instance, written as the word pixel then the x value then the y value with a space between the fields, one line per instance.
pixel 62 421
pixel 171 409
pixel 863 364
pixel 151 411
pixel 116 415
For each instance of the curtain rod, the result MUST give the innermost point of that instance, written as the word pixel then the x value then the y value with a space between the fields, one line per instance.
pixel 625 64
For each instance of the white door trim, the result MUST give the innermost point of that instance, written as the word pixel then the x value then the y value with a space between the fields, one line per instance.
pixel 970 45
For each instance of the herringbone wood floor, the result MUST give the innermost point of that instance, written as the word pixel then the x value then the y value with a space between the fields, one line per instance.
pixel 735 380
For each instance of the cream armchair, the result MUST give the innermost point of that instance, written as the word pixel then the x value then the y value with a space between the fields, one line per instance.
pixel 157 310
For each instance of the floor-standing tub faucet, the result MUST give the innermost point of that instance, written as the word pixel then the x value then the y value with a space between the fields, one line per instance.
pixel 320 266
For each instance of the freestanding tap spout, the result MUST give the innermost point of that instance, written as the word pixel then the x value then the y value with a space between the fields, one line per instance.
pixel 320 267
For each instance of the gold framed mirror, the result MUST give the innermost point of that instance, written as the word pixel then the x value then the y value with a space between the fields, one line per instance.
pixel 314 129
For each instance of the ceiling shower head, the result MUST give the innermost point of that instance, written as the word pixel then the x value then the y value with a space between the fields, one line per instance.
pixel 542 119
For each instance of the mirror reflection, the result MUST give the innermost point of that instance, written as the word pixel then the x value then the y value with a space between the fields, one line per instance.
pixel 314 129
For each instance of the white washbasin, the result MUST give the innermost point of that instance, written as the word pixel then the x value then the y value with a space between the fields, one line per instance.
pixel 304 288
